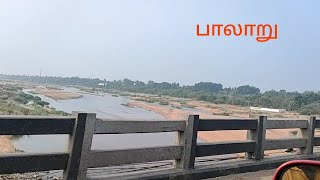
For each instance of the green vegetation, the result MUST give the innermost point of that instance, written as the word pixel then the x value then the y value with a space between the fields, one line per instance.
pixel 15 102
pixel 310 109
pixel 222 114
pixel 164 103
pixel 305 103
pixel 24 98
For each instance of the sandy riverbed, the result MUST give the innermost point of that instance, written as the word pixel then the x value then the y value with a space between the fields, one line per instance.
pixel 6 145
pixel 179 114
pixel 213 136
pixel 56 94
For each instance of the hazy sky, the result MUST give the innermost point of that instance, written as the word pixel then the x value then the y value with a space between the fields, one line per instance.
pixel 155 40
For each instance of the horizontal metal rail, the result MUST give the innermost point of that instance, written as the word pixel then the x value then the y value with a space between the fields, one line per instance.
pixel 227 124
pixel 317 124
pixel 20 163
pixel 124 127
pixel 209 149
pixel 272 144
pixel 33 125
pixel 130 156
pixel 286 124
pixel 316 141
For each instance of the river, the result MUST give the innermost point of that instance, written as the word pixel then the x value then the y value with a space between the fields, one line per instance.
pixel 109 107
pixel 105 106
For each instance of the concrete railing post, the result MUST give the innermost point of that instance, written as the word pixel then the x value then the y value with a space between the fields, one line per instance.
pixel 259 136
pixel 308 134
pixel 188 139
pixel 80 146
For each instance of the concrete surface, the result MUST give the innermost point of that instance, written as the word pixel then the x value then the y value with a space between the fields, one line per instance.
pixel 259 175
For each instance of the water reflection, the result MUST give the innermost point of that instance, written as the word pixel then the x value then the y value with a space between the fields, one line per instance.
pixel 107 107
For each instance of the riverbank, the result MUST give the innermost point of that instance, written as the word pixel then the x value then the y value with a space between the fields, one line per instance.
pixel 13 101
pixel 172 113
pixel 216 109
pixel 212 136
pixel 56 94
pixel 6 145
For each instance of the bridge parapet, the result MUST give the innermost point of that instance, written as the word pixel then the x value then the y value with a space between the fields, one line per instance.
pixel 82 126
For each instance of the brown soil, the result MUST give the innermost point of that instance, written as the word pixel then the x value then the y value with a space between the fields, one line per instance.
pixel 6 145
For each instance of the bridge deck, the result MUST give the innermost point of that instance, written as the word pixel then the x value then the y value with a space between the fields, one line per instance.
pixel 259 175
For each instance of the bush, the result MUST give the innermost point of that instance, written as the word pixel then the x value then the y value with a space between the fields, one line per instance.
pixel 41 103
pixel 21 100
pixel 164 103
pixel 310 109
pixel 25 111
pixel 36 98
pixel 26 96
pixel 225 114
pixel 4 97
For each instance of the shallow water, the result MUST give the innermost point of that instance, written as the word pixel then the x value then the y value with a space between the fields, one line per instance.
pixel 106 107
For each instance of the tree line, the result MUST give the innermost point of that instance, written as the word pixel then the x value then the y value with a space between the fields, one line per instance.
pixel 307 103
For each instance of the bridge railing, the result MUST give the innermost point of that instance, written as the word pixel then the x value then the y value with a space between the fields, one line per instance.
pixel 138 155
pixel 29 125
pixel 82 126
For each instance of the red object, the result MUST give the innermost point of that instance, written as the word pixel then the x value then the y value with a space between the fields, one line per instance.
pixel 293 163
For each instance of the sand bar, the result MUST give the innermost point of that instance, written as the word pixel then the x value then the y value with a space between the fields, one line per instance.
pixel 56 94
pixel 210 136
